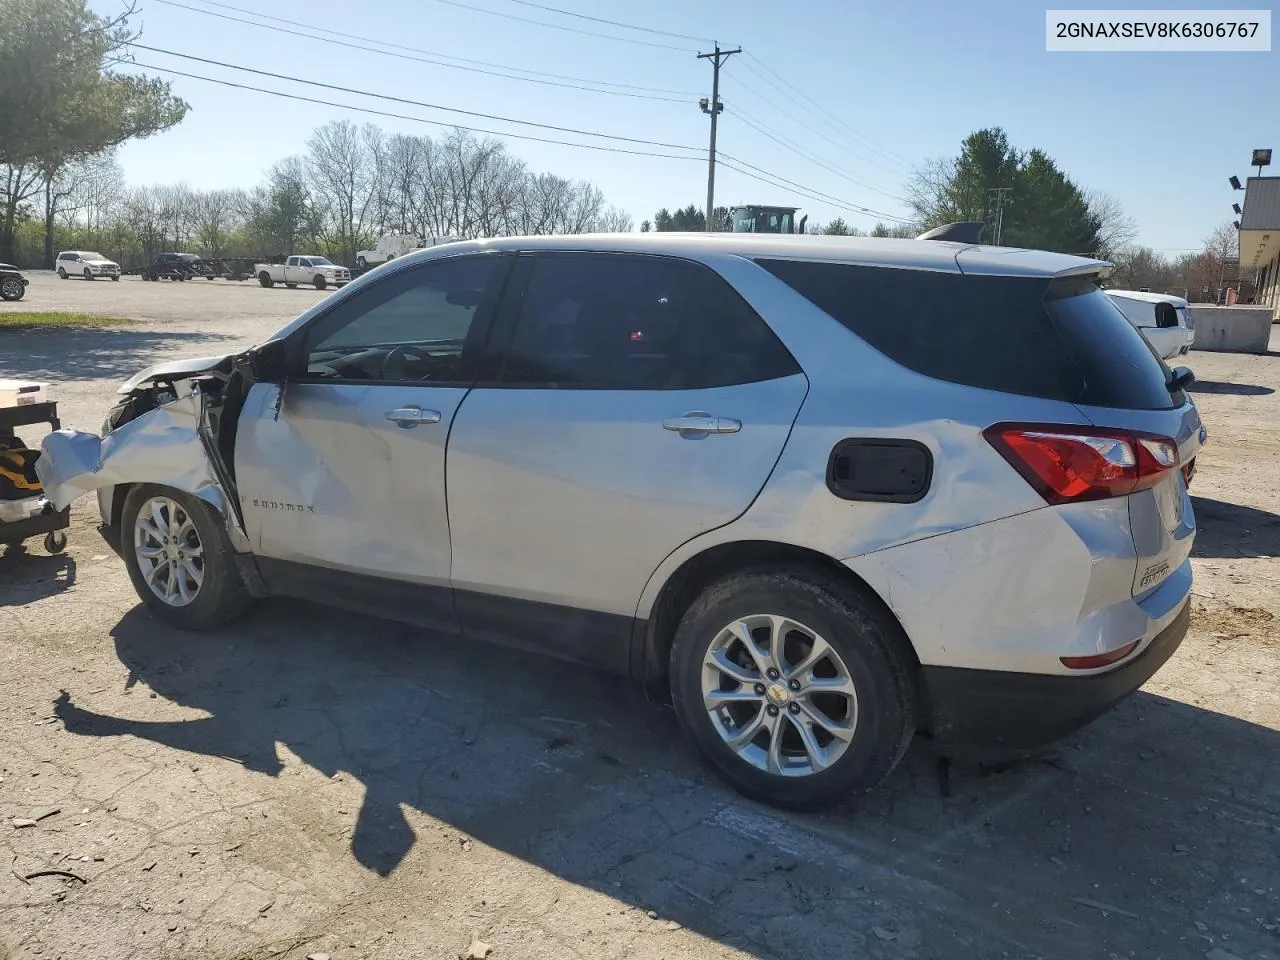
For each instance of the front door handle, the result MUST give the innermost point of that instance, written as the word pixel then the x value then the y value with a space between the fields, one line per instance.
pixel 699 424
pixel 407 417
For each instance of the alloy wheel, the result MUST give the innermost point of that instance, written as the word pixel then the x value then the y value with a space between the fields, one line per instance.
pixel 168 550
pixel 779 695
pixel 11 289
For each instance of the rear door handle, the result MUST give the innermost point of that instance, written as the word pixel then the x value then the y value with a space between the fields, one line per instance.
pixel 412 416
pixel 700 424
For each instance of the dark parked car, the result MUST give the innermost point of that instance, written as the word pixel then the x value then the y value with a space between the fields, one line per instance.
pixel 13 285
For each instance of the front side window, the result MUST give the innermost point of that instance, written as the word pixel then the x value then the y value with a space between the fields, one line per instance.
pixel 617 322
pixel 411 327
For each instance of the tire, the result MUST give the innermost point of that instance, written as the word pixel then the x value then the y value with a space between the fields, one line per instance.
pixel 264 278
pixel 115 278
pixel 88 274
pixel 872 659
pixel 62 274
pixel 11 288
pixel 55 541
pixel 219 596
pixel 362 263
pixel 320 282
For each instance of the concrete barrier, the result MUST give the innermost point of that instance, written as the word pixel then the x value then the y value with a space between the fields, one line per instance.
pixel 1232 329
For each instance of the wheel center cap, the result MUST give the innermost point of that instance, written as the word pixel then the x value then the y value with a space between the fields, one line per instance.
pixel 777 693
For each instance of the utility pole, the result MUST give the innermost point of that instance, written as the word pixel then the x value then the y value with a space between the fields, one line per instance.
pixel 713 107
pixel 1001 197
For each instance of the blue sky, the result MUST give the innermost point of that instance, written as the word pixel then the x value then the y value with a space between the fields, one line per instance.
pixel 1160 131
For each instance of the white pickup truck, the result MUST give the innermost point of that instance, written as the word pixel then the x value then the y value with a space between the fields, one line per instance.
pixel 395 245
pixel 319 271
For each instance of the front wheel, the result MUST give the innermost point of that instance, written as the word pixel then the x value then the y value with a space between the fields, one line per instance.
pixel 179 558
pixel 115 277
pixel 362 263
pixel 265 280
pixel 798 689
pixel 320 282
pixel 88 274
pixel 11 288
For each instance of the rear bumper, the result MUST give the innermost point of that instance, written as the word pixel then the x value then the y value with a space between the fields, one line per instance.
pixel 1017 712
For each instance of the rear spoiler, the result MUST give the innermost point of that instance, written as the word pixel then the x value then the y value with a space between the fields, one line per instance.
pixel 967 231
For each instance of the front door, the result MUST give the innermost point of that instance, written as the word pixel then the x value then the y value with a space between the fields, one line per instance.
pixel 641 403
pixel 348 474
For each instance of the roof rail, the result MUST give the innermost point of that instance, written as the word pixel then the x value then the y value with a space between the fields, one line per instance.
pixel 967 231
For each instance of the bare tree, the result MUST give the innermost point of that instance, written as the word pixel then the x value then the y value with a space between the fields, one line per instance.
pixel 343 180
pixel 1116 229
pixel 215 213
pixel 615 220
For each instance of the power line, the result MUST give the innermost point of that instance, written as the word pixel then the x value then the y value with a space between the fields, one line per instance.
pixel 791 115
pixel 822 198
pixel 430 56
pixel 612 23
pixel 415 103
pixel 401 116
pixel 836 201
pixel 887 152
pixel 746 118
pixel 560 26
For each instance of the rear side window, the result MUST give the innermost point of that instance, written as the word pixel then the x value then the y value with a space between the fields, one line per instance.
pixel 1117 367
pixel 619 322
pixel 1022 335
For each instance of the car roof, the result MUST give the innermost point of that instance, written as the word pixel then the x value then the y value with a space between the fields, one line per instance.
pixel 872 251
pixel 1147 297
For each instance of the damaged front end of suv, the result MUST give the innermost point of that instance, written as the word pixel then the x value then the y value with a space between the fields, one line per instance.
pixel 175 425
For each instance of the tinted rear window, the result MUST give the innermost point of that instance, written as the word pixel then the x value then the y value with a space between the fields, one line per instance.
pixel 1023 335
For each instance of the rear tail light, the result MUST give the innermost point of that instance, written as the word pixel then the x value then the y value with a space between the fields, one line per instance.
pixel 1093 661
pixel 1068 464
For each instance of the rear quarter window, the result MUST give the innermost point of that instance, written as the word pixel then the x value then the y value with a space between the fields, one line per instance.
pixel 1023 335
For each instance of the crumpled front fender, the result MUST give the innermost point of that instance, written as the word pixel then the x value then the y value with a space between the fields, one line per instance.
pixel 162 446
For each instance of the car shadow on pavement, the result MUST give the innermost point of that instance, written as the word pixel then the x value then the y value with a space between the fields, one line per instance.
pixel 1230 530
pixel 1231 389
pixel 97 353
pixel 1158 815
pixel 30 575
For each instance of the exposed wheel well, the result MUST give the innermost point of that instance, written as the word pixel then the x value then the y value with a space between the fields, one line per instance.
pixel 696 573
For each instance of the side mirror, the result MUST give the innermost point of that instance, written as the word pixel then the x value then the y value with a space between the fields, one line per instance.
pixel 271 362
pixel 1181 379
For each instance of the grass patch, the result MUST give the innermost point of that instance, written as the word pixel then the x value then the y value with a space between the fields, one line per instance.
pixel 19 321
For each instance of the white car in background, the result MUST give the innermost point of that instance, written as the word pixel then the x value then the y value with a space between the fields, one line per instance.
pixel 87 264
pixel 1163 319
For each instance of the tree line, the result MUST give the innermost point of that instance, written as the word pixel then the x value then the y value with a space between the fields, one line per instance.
pixel 350 185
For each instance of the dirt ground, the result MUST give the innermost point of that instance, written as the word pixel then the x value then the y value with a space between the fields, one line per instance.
pixel 311 783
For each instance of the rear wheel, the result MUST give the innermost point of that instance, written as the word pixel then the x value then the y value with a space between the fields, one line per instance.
pixel 320 282
pixel 62 274
pixel 264 278
pixel 795 686
pixel 179 558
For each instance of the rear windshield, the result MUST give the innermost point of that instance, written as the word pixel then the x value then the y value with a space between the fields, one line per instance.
pixel 1060 340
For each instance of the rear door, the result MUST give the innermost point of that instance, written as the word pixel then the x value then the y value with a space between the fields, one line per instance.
pixel 640 403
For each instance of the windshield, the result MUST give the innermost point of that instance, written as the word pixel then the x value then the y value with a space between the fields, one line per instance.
pixel 318 261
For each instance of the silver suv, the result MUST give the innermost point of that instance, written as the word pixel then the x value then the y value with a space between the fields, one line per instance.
pixel 825 491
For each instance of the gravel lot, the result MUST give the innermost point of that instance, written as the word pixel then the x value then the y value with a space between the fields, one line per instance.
pixel 313 782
